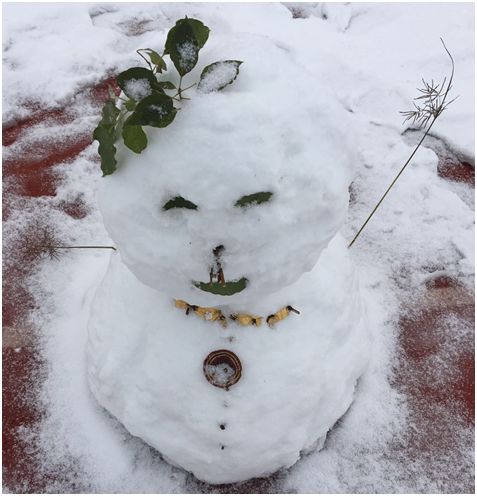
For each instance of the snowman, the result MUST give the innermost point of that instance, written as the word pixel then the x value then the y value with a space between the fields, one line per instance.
pixel 228 332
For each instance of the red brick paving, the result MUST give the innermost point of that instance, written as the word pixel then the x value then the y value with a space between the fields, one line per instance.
pixel 30 174
pixel 423 336
pixel 21 371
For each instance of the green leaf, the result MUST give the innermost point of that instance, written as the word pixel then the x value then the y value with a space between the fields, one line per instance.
pixel 157 60
pixel 218 75
pixel 179 202
pixel 109 114
pixel 201 31
pixel 105 135
pixel 227 289
pixel 130 105
pixel 154 57
pixel 156 110
pixel 106 149
pixel 254 199
pixel 184 50
pixel 166 85
pixel 134 138
pixel 183 43
pixel 126 78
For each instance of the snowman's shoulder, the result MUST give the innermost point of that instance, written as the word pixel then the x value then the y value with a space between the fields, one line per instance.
pixel 122 301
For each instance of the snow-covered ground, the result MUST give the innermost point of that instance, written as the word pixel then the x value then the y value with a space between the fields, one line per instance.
pixel 375 56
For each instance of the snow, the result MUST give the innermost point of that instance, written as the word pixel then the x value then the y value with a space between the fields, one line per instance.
pixel 158 109
pixel 187 54
pixel 220 374
pixel 138 89
pixel 59 56
pixel 426 222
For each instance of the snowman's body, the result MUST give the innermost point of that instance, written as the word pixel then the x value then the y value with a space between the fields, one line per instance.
pixel 298 378
pixel 146 356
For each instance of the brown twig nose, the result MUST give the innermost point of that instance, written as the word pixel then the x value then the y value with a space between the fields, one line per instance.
pixel 218 250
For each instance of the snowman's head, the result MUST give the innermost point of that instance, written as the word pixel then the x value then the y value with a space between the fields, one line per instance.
pixel 245 188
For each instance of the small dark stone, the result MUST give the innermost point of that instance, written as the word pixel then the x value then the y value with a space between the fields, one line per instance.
pixel 222 426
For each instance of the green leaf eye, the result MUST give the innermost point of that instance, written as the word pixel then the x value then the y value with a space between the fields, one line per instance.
pixel 179 202
pixel 254 199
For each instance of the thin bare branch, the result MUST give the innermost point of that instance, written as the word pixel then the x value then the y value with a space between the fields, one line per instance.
pixel 434 102
pixel 45 241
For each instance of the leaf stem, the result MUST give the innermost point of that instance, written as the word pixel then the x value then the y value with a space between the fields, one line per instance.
pixel 182 91
pixel 179 90
pixel 144 58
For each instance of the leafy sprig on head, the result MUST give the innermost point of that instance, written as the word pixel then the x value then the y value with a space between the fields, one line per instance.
pixel 146 100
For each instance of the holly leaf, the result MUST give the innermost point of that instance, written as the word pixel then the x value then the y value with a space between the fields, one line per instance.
pixel 157 60
pixel 134 138
pixel 156 110
pixel 137 82
pixel 201 31
pixel 154 57
pixel 109 114
pixel 130 105
pixel 166 85
pixel 184 49
pixel 183 43
pixel 106 149
pixel 217 76
pixel 105 135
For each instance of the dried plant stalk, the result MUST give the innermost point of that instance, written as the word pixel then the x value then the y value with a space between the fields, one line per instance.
pixel 45 241
pixel 427 108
